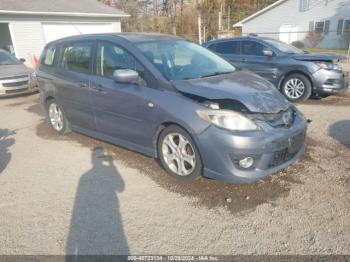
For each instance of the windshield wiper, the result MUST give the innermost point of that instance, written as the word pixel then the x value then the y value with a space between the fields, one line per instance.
pixel 216 74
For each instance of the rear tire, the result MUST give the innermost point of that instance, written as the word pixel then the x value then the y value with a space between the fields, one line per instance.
pixel 178 154
pixel 296 88
pixel 57 118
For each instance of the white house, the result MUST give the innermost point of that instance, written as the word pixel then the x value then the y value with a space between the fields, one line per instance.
pixel 321 23
pixel 27 25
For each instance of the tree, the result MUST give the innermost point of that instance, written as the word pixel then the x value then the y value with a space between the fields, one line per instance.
pixel 181 16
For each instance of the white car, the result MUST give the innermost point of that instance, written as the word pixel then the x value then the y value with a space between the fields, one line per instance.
pixel 15 77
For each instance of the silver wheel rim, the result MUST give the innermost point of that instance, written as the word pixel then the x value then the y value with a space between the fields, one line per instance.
pixel 178 154
pixel 56 117
pixel 294 88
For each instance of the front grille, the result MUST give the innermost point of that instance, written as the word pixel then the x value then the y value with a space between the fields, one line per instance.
pixel 15 84
pixel 286 154
pixel 15 90
pixel 13 77
pixel 279 157
pixel 331 82
pixel 274 119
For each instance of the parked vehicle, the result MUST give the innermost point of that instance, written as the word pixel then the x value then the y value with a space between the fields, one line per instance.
pixel 173 100
pixel 15 77
pixel 294 72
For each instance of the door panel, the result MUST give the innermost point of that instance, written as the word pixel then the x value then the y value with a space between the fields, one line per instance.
pixel 120 108
pixel 254 60
pixel 72 80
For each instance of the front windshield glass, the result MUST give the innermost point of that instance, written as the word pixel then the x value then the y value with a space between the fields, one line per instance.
pixel 7 59
pixel 283 47
pixel 182 60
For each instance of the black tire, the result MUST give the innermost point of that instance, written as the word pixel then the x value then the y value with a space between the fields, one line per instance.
pixel 306 91
pixel 198 166
pixel 65 124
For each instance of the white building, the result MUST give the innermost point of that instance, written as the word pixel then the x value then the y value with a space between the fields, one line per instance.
pixel 293 20
pixel 26 26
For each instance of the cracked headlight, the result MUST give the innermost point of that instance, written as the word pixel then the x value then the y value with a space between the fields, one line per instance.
pixel 329 66
pixel 230 120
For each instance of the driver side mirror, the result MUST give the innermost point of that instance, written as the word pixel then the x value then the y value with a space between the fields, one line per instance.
pixel 22 60
pixel 267 52
pixel 126 76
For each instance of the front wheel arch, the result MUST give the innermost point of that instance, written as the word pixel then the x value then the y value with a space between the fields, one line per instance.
pixel 159 130
pixel 284 76
pixel 307 80
pixel 200 165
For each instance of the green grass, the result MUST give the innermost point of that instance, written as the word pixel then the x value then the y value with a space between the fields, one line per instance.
pixel 328 51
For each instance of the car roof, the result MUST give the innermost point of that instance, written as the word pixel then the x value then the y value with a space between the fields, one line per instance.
pixel 258 38
pixel 131 37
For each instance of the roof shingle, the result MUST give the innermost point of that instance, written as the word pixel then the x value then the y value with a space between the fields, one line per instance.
pixel 60 6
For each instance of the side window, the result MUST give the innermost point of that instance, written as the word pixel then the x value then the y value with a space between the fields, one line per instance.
pixel 111 57
pixel 231 47
pixel 252 48
pixel 76 57
pixel 49 56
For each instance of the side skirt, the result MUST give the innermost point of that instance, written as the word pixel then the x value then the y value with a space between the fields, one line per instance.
pixel 116 141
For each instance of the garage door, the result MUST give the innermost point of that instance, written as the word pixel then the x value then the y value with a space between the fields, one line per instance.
pixel 56 31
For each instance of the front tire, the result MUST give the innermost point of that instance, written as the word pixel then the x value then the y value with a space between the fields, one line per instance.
pixel 56 117
pixel 178 154
pixel 296 88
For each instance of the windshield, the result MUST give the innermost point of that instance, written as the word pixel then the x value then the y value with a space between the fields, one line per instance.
pixel 8 59
pixel 283 47
pixel 182 60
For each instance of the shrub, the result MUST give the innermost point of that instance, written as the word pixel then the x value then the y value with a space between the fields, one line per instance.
pixel 298 44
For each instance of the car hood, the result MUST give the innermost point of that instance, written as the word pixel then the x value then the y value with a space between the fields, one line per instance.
pixel 319 57
pixel 255 93
pixel 14 70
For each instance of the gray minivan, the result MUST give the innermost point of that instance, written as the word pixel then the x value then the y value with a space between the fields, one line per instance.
pixel 173 100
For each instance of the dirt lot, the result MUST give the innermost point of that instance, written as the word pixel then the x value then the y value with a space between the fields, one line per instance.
pixel 57 195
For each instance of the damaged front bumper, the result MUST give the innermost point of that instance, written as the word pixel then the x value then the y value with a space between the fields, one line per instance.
pixel 272 150
pixel 330 81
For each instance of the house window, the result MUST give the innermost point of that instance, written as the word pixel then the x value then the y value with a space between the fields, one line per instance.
pixel 319 27
pixel 326 27
pixel 343 26
pixel 304 5
pixel 346 29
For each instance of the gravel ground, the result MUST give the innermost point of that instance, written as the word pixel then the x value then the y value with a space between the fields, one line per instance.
pixel 59 196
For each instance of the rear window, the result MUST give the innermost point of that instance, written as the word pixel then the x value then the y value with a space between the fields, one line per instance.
pixel 230 47
pixel 49 56
pixel 76 57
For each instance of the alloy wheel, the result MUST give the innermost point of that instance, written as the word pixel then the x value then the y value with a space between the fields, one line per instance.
pixel 294 88
pixel 56 117
pixel 178 154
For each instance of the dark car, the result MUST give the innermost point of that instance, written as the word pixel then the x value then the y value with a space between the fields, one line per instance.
pixel 173 100
pixel 15 77
pixel 295 73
